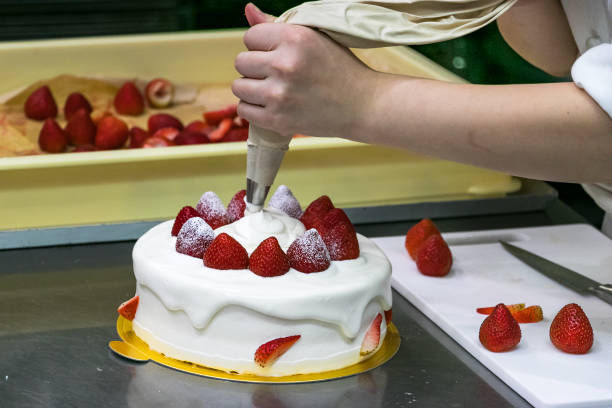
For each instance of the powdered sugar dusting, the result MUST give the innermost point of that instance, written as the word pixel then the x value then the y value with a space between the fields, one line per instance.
pixel 284 200
pixel 212 209
pixel 194 237
pixel 308 252
pixel 236 207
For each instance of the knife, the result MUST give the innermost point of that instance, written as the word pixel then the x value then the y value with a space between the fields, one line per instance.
pixel 561 274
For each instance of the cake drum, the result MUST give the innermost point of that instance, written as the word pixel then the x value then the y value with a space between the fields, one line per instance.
pixel 134 349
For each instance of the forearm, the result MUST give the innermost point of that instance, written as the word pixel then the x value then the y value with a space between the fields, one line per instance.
pixel 547 131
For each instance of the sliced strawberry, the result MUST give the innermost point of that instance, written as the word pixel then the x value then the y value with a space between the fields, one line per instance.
pixel 168 133
pixel 75 102
pixel 52 138
pixel 213 118
pixel 372 336
pixel 190 137
pixel 388 315
pixel 162 120
pixel 531 314
pixel 226 253
pixel 153 142
pixel 159 92
pixel 80 129
pixel 138 136
pixel 418 234
pixel 40 105
pixel 434 257
pixel 236 134
pixel 571 331
pixel 269 352
pixel 212 210
pixel 341 241
pixel 217 134
pixel 128 308
pixel 129 100
pixel 512 308
pixel 199 126
pixel 236 207
pixel 183 215
pixel 284 200
pixel 194 237
pixel 499 331
pixel 112 133
pixel 315 211
pixel 268 259
pixel 308 253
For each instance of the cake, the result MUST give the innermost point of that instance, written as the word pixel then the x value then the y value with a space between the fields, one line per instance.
pixel 272 293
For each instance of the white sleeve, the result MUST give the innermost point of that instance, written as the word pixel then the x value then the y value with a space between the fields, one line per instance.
pixel 593 73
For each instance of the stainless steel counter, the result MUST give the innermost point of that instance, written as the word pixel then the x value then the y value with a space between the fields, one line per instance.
pixel 58 312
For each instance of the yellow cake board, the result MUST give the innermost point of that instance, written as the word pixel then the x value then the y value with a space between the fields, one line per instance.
pixel 133 348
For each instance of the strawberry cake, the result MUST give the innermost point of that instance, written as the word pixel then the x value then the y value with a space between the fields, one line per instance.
pixel 273 293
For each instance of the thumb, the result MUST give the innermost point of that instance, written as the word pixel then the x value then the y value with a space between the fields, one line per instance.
pixel 255 16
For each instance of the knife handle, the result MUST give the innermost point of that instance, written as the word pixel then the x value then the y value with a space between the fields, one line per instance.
pixel 604 292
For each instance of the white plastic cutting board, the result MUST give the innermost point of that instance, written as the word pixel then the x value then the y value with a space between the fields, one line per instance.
pixel 484 274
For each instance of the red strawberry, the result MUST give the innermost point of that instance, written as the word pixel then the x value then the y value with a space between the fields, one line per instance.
pixel 129 100
pixel 184 214
pixel 372 336
pixel 571 331
pixel 388 315
pixel 236 207
pixel 162 120
pixel 269 352
pixel 153 142
pixel 434 257
pixel 85 148
pixel 52 138
pixel 499 331
pixel 190 137
pixel 268 259
pixel 284 200
pixel 80 128
pixel 341 241
pixel 194 237
pixel 418 234
pixel 212 210
pixel 334 217
pixel 308 253
pixel 138 136
pixel 198 126
pixel 219 133
pixel 128 308
pixel 512 308
pixel 316 210
pixel 213 118
pixel 226 253
pixel 236 135
pixel 168 133
pixel 531 314
pixel 40 104
pixel 159 92
pixel 112 133
pixel 75 102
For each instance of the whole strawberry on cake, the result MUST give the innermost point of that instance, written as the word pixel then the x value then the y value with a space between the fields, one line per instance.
pixel 273 293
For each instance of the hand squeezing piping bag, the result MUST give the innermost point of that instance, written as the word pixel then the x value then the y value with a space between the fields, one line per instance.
pixel 265 152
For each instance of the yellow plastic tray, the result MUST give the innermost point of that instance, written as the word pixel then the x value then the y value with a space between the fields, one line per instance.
pixel 149 184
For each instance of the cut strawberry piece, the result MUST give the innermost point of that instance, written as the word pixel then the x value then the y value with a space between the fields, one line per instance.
pixel 40 105
pixel 308 253
pixel 284 200
pixel 212 210
pixel 213 118
pixel 388 315
pixel 74 103
pixel 236 135
pixel 190 137
pixel 226 253
pixel 218 133
pixel 499 331
pixel 372 337
pixel 129 100
pixel 416 236
pixel 184 214
pixel 512 308
pixel 168 133
pixel 112 133
pixel 236 207
pixel 80 129
pixel 269 352
pixel 194 237
pixel 315 211
pixel 128 308
pixel 341 241
pixel 531 314
pixel 199 126
pixel 138 136
pixel 52 138
pixel 159 92
pixel 434 257
pixel 153 142
pixel 163 120
pixel 571 331
pixel 268 259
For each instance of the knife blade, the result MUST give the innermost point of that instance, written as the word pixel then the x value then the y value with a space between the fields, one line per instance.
pixel 561 274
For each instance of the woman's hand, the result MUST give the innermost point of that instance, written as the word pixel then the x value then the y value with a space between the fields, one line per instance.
pixel 297 80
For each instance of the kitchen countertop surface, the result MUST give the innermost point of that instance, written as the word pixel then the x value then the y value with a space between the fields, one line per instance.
pixel 58 312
